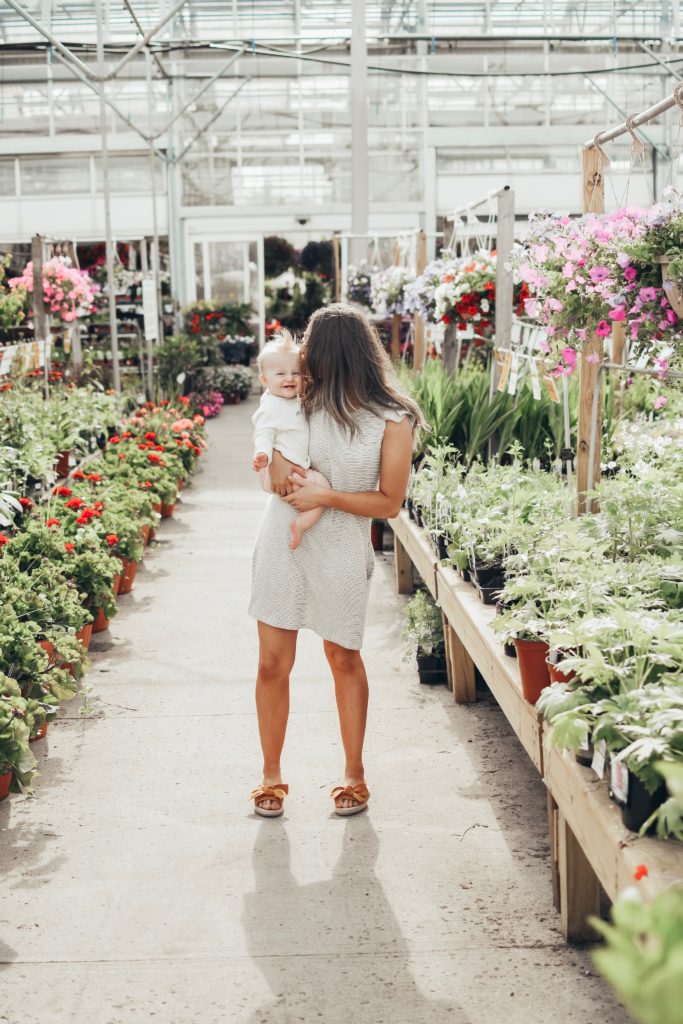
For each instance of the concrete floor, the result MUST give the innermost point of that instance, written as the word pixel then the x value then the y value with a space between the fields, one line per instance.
pixel 138 885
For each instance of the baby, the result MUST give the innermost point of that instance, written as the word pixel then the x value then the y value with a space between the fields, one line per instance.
pixel 280 424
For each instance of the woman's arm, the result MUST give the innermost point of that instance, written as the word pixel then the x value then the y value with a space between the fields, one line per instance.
pixel 281 470
pixel 384 503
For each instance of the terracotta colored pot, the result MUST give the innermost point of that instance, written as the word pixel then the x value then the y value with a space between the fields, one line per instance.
pixel 101 622
pixel 377 536
pixel 127 576
pixel 85 635
pixel 181 484
pixel 40 735
pixel 62 464
pixel 533 667
pixel 116 584
pixel 157 506
pixel 48 648
pixel 5 783
pixel 145 531
pixel 557 675
pixel 167 509
pixel 152 534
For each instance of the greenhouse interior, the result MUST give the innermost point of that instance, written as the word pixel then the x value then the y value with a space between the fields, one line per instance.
pixel 341 389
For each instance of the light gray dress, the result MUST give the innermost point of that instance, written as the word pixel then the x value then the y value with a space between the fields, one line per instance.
pixel 323 585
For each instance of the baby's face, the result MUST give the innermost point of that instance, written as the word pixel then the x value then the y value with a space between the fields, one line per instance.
pixel 281 374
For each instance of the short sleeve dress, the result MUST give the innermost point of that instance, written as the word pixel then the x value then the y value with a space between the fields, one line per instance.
pixel 323 585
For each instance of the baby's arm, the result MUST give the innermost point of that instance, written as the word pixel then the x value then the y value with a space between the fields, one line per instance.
pixel 265 432
pixel 259 462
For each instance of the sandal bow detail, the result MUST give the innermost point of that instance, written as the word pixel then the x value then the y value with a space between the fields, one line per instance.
pixel 278 792
pixel 360 793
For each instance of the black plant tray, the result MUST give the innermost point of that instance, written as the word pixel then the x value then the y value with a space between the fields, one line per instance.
pixel 489 595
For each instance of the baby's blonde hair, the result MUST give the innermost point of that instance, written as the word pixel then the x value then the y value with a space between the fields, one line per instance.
pixel 283 341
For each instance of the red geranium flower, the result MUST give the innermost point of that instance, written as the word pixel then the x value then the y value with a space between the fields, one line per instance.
pixel 126 433
pixel 3 539
pixel 94 477
pixel 25 502
pixel 184 400
pixel 83 519
pixel 153 457
pixel 78 474
pixel 69 546
pixel 146 483
pixel 63 492
pixel 98 506
pixel 150 436
pixel 142 447
pixel 640 872
pixel 75 503
pixel 121 455
pixel 111 539
pixel 52 522
pixel 114 439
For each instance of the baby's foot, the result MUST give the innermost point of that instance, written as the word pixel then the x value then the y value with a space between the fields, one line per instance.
pixel 297 534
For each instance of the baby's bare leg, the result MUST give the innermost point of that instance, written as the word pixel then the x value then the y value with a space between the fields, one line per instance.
pixel 305 520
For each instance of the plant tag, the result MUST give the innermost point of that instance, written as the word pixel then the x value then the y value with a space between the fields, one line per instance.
pixel 598 762
pixel 504 363
pixel 514 374
pixel 535 382
pixel 642 361
pixel 619 781
pixel 551 388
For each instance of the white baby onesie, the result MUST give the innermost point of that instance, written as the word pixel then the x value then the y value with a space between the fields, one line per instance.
pixel 280 423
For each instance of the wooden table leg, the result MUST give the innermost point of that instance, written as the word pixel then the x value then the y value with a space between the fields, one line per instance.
pixel 404 568
pixel 552 832
pixel 447 645
pixel 462 668
pixel 579 886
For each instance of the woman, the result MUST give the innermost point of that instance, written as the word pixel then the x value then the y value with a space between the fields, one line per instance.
pixel 361 435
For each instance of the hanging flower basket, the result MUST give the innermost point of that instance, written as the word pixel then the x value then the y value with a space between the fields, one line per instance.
pixel 672 287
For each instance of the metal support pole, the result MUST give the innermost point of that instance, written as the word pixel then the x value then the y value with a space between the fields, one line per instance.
pixel 107 208
pixel 142 43
pixel 359 132
pixel 211 120
pixel 41 328
pixel 155 225
pixel 505 239
pixel 64 50
pixel 207 85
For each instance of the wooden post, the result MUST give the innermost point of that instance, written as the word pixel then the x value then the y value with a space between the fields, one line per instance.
pixel 593 181
pixel 590 385
pixel 419 337
pixel 579 886
pixel 395 337
pixel 449 661
pixel 462 668
pixel 337 267
pixel 552 832
pixel 450 349
pixel 404 568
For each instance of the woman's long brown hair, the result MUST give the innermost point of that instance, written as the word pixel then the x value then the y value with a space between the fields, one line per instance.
pixel 346 369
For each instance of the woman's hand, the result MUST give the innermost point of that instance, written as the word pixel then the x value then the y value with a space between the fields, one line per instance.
pixel 280 471
pixel 307 495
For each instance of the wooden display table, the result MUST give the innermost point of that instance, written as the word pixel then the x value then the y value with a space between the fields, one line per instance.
pixel 590 847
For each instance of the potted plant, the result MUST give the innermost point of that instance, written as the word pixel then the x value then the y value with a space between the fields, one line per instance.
pixel 377 534
pixel 424 628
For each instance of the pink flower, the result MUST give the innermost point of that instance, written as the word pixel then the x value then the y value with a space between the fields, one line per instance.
pixel 593 358
pixel 618 313
pixel 569 357
pixel 598 274
pixel 630 273
pixel 603 329
pixel 647 294
pixel 660 401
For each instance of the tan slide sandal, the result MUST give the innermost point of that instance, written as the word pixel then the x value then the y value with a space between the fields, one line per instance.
pixel 360 793
pixel 278 792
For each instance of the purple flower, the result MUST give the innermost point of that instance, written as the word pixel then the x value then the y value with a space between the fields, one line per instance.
pixel 660 401
pixel 598 274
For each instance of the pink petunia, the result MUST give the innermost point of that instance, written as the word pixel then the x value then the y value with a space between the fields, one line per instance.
pixel 603 330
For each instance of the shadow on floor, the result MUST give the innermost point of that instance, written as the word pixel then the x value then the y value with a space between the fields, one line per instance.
pixel 331 950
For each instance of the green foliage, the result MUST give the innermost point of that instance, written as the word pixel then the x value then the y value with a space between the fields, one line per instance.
pixel 423 624
pixel 643 955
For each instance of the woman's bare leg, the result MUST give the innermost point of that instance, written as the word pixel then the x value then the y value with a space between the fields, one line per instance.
pixel 351 691
pixel 277 650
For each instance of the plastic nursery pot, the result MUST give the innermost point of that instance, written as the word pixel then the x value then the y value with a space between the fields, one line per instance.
pixel 101 622
pixel 167 509
pixel 40 734
pixel 157 506
pixel 5 783
pixel 533 667
pixel 636 803
pixel 85 635
pixel 557 675
pixel 62 464
pixel 377 536
pixel 127 575
pixel 181 484
pixel 432 669
pixel 145 532
pixel 116 583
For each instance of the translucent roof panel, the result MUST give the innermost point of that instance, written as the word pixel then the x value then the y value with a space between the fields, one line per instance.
pixel 330 20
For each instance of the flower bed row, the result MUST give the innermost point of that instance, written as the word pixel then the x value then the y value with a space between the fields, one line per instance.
pixel 64 560
pixel 593 607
